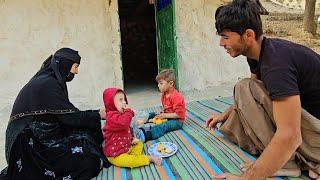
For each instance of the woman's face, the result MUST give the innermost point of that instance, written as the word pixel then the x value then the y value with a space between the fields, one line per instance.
pixel 74 68
pixel 73 71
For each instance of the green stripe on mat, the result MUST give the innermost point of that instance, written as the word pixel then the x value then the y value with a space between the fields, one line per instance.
pixel 215 148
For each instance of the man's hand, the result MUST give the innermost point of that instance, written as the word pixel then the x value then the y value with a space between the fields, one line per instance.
pixel 102 113
pixel 314 175
pixel 214 119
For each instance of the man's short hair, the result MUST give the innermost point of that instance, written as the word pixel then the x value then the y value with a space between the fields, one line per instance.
pixel 167 75
pixel 238 16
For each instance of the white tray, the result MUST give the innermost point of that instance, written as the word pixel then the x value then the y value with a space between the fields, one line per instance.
pixel 153 149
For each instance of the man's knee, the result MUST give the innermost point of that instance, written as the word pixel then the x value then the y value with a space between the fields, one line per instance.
pixel 252 90
pixel 242 85
pixel 248 84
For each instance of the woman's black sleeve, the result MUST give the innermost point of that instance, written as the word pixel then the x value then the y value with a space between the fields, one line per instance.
pixel 82 119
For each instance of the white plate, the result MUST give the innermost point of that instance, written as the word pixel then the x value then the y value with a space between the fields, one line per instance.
pixel 168 145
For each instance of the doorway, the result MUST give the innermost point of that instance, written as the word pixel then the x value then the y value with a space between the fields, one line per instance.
pixel 138 44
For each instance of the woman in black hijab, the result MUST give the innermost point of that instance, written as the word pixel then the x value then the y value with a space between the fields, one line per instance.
pixel 47 136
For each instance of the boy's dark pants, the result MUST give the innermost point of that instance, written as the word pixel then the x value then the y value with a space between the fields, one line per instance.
pixel 159 130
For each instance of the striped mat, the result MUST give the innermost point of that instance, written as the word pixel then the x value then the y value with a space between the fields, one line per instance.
pixel 201 153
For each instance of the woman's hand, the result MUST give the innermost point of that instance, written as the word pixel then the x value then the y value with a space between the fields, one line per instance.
pixel 103 113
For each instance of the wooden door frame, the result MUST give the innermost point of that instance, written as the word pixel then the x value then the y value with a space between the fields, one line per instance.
pixel 175 63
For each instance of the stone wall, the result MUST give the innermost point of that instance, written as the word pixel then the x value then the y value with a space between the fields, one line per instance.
pixel 31 30
pixel 202 63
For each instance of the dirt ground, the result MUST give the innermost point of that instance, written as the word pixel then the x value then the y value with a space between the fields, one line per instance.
pixel 286 23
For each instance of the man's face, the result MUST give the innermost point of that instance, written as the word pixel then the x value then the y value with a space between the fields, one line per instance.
pixel 234 43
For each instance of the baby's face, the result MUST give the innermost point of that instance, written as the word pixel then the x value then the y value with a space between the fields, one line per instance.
pixel 120 102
